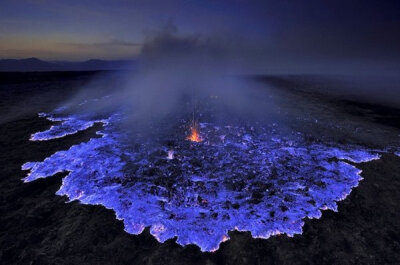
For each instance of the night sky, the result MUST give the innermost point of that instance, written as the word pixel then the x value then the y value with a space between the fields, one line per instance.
pixel 286 35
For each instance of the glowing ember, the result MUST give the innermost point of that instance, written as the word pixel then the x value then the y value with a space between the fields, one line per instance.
pixel 195 135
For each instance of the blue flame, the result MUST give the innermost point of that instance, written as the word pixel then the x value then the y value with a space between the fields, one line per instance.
pixel 261 182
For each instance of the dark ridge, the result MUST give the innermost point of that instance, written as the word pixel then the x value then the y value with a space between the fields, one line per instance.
pixel 37 65
pixel 30 77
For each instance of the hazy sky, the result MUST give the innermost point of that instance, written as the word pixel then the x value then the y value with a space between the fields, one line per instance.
pixel 307 31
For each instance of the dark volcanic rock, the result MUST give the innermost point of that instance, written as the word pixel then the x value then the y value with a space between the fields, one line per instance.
pixel 38 227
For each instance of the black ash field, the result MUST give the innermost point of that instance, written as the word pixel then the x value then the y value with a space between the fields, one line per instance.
pixel 39 227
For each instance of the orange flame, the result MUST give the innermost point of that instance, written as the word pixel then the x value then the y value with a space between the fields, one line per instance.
pixel 195 135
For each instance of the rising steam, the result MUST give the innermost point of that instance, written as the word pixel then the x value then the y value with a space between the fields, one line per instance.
pixel 180 74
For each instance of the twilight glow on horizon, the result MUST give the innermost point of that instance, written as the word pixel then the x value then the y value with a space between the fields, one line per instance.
pixel 287 35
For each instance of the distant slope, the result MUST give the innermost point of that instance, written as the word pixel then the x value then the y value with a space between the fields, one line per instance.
pixel 37 65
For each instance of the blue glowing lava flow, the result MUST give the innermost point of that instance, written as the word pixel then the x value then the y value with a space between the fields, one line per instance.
pixel 238 177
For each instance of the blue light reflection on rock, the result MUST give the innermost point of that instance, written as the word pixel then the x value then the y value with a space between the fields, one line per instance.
pixel 237 178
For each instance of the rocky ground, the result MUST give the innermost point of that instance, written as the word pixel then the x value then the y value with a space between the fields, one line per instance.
pixel 38 227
